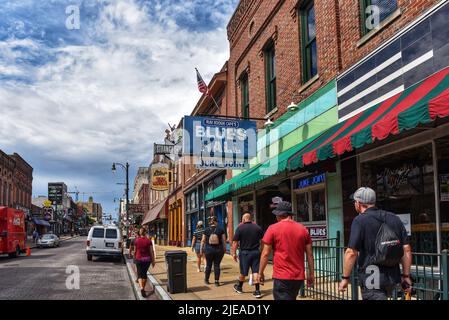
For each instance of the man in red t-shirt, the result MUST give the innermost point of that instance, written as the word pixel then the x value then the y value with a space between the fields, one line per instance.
pixel 289 241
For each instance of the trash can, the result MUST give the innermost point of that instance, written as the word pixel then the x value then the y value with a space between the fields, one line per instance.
pixel 176 262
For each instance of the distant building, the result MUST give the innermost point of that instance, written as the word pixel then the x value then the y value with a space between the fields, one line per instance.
pixel 142 177
pixel 94 210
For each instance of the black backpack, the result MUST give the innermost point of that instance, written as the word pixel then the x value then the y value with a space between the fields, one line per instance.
pixel 388 247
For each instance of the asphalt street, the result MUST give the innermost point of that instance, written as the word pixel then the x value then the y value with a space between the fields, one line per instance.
pixel 51 273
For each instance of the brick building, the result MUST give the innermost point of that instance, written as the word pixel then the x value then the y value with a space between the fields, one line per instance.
pixel 262 30
pixel 339 62
pixel 198 182
pixel 16 179
pixel 16 184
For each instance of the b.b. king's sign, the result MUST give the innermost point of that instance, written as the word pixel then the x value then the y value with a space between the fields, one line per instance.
pixel 219 143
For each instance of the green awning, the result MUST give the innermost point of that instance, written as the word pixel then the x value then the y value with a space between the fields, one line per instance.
pixel 258 173
pixel 229 186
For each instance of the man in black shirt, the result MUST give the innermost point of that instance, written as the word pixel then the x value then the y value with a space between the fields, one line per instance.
pixel 248 236
pixel 376 281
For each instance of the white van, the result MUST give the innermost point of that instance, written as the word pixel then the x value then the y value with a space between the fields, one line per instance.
pixel 104 241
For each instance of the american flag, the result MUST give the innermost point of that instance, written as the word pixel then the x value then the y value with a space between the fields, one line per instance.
pixel 201 84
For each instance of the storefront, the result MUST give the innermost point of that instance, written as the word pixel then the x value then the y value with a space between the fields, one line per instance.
pixel 411 179
pixel 192 214
pixel 175 222
pixel 310 203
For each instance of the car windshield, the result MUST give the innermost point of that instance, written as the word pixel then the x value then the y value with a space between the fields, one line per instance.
pixel 47 236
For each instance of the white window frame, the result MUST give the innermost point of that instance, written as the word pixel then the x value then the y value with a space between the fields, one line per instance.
pixel 308 191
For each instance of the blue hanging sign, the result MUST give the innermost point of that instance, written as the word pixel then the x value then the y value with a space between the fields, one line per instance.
pixel 219 139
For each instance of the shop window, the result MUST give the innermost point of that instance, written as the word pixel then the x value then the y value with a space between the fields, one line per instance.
pixel 311 205
pixel 270 74
pixel 442 146
pixel 309 47
pixel 246 204
pixel 373 12
pixel 303 207
pixel 404 185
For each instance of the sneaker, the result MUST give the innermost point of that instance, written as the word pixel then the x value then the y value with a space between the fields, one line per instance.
pixel 198 270
pixel 206 281
pixel 238 289
pixel 217 284
pixel 143 293
pixel 257 294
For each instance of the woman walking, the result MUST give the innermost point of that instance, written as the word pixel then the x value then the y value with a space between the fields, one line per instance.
pixel 196 243
pixel 144 256
pixel 213 244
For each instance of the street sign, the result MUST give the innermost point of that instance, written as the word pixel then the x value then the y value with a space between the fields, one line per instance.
pixel 47 203
pixel 160 177
pixel 56 192
pixel 164 149
pixel 134 208
pixel 219 138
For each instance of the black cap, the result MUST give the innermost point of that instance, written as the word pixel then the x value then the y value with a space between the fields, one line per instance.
pixel 283 207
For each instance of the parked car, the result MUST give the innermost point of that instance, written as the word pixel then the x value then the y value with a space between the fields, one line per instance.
pixel 12 231
pixel 104 241
pixel 48 240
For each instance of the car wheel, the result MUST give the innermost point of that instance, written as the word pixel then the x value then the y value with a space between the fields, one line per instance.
pixel 89 257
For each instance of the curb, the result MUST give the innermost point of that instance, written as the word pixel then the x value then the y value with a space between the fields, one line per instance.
pixel 161 293
pixel 158 290
pixel 136 289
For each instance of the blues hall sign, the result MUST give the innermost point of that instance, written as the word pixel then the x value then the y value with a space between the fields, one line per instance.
pixel 219 143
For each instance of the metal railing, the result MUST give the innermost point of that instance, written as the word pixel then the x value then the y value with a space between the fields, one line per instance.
pixel 429 272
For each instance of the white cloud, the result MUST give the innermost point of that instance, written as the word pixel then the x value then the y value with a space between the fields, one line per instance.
pixel 110 99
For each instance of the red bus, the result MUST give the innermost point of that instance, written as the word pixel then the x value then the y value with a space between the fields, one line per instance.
pixel 12 231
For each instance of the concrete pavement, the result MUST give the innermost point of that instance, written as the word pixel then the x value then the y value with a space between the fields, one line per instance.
pixel 198 290
pixel 44 275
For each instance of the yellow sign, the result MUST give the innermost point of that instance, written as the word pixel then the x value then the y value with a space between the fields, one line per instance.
pixel 47 203
pixel 160 177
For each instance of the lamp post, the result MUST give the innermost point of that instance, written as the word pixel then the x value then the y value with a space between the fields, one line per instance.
pixel 126 168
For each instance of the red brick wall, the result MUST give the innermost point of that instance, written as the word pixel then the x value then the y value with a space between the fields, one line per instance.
pixel 350 27
pixel 279 20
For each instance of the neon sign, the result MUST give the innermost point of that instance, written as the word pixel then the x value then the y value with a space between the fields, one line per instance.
pixel 311 181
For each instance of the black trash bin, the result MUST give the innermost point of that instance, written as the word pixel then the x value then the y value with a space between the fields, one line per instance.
pixel 176 271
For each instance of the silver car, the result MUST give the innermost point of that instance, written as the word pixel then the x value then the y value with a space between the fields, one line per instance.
pixel 48 240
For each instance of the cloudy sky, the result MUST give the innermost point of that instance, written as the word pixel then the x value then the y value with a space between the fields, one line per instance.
pixel 72 101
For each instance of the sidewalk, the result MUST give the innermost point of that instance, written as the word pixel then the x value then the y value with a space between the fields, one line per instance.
pixel 196 288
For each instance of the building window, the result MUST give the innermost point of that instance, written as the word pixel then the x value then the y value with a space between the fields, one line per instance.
pixel 373 12
pixel 270 73
pixel 309 48
pixel 245 95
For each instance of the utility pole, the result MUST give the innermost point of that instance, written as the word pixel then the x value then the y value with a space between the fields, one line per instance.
pixel 126 167
pixel 127 195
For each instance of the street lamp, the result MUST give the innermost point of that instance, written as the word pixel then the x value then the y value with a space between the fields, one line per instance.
pixel 126 168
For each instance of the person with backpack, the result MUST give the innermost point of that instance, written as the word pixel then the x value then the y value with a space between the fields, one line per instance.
pixel 213 244
pixel 379 243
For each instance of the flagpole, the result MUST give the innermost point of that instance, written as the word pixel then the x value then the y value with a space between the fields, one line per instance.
pixel 208 93
pixel 218 108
